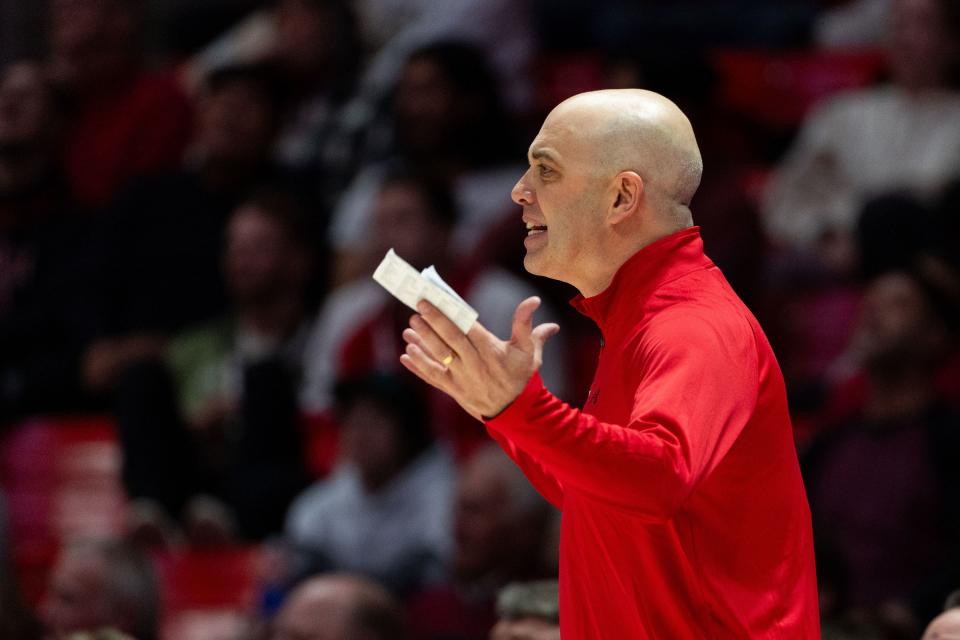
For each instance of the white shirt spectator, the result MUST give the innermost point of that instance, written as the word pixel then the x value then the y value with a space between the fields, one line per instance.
pixel 857 146
pixel 402 529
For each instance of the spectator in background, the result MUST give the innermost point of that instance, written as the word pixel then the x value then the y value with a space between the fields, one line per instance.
pixel 159 249
pixel 528 611
pixel 500 527
pixel 526 629
pixel 882 478
pixel 359 325
pixel 903 136
pixel 338 607
pixel 44 312
pixel 391 31
pixel 384 512
pixel 126 121
pixel 447 121
pixel 502 28
pixel 97 585
pixel 318 52
pixel 222 407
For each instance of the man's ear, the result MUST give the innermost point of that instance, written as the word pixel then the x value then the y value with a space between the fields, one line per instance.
pixel 628 193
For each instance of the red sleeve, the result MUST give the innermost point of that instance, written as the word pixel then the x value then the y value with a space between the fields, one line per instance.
pixel 542 480
pixel 695 388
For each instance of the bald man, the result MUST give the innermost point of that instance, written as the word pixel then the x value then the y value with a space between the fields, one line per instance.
pixel 338 607
pixel 946 626
pixel 684 513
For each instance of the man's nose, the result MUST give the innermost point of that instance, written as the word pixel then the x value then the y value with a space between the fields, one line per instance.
pixel 521 193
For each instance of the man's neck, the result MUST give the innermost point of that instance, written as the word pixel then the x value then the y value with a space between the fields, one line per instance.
pixel 615 254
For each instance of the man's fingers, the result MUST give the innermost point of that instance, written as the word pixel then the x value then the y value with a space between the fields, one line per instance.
pixel 522 331
pixel 411 366
pixel 543 332
pixel 425 367
pixel 424 337
pixel 447 331
pixel 422 366
pixel 540 335
pixel 479 335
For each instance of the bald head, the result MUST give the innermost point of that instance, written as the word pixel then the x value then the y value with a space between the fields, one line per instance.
pixel 610 172
pixel 500 521
pixel 640 131
pixel 339 607
pixel 489 468
pixel 946 626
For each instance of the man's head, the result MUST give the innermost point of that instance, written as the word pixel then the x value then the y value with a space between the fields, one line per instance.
pixel 29 108
pixel 93 42
pixel 267 253
pixel 447 103
pixel 924 45
pixel 528 611
pixel 237 116
pixel 317 40
pixel 384 424
pixel 610 172
pixel 946 626
pixel 500 520
pixel 414 215
pixel 30 126
pixel 101 584
pixel 903 324
pixel 338 607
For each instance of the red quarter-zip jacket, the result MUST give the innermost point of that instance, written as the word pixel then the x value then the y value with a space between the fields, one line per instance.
pixel 684 513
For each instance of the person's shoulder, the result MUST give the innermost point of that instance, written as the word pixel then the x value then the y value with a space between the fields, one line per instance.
pixel 854 99
pixel 193 351
pixel 837 110
pixel 945 106
pixel 713 320
pixel 431 473
pixel 321 498
pixel 191 343
pixel 361 293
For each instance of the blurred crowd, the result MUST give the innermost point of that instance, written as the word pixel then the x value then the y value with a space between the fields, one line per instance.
pixel 193 197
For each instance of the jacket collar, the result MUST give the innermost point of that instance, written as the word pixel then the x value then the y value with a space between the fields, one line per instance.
pixel 643 273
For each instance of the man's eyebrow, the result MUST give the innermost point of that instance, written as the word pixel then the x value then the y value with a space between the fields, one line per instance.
pixel 537 154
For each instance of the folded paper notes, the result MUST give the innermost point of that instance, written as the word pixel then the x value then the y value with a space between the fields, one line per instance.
pixel 411 286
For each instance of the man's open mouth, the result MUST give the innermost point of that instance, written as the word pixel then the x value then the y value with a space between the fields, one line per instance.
pixel 534 229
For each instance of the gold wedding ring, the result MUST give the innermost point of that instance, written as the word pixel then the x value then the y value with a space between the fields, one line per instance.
pixel 446 361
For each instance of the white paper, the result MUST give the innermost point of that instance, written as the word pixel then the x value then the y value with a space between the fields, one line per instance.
pixel 410 286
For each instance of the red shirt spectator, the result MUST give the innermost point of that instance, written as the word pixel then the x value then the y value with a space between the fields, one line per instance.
pixel 127 121
pixel 136 127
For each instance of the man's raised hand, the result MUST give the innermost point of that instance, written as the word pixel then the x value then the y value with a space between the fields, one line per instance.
pixel 481 372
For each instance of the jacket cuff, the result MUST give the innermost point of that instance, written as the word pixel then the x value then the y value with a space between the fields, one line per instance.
pixel 515 413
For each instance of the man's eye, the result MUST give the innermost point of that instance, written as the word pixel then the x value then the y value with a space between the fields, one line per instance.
pixel 545 170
